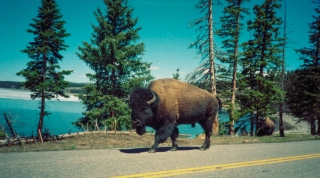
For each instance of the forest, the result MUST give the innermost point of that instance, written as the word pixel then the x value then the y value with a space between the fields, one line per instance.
pixel 252 81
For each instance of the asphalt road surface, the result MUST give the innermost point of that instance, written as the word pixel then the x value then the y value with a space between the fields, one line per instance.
pixel 295 159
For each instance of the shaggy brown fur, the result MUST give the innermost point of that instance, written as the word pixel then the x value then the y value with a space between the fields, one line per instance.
pixel 267 127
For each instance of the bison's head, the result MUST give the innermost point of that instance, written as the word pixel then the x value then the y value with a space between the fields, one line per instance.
pixel 264 121
pixel 141 102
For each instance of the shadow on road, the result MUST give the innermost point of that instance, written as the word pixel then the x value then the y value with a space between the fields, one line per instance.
pixel 160 149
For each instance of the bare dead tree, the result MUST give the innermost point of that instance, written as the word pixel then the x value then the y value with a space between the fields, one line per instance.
pixel 205 41
pixel 8 120
pixel 281 130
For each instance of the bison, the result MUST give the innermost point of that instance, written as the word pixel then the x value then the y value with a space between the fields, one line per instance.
pixel 166 103
pixel 267 127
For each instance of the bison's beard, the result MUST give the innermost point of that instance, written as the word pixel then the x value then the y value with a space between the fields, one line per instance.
pixel 141 130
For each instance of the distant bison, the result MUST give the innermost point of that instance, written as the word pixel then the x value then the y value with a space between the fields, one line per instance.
pixel 267 127
pixel 166 103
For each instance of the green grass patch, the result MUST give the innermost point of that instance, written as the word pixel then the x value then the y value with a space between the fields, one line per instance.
pixel 132 140
pixel 2 134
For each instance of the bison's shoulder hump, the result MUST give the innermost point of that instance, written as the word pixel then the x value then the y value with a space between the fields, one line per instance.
pixel 172 85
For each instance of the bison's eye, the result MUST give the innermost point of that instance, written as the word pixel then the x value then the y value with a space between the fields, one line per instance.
pixel 145 108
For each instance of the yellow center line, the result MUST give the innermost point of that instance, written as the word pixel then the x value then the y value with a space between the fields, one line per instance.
pixel 220 167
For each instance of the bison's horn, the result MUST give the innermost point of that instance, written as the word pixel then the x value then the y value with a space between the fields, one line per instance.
pixel 153 99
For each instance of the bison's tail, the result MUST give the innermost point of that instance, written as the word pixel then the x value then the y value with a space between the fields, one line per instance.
pixel 220 104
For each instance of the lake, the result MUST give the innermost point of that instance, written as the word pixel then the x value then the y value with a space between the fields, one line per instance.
pixel 25 114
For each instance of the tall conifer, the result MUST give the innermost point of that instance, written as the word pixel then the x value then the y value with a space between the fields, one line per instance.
pixel 115 59
pixel 263 51
pixel 43 74
pixel 303 93
pixel 230 32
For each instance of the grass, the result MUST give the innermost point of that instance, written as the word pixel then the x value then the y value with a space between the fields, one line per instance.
pixel 104 140
pixel 2 134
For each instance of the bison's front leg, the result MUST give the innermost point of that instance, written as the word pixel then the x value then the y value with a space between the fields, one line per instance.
pixel 161 135
pixel 174 137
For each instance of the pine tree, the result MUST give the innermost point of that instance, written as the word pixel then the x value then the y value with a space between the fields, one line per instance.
pixel 230 32
pixel 114 57
pixel 43 74
pixel 261 62
pixel 247 83
pixel 177 75
pixel 303 93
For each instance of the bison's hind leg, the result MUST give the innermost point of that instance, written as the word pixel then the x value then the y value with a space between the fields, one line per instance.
pixel 207 126
pixel 174 137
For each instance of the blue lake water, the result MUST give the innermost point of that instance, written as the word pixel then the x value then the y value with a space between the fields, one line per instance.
pixel 25 116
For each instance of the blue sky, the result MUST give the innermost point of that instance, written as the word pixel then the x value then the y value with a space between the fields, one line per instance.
pixel 165 33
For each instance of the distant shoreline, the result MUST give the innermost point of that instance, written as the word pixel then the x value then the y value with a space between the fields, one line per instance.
pixel 10 93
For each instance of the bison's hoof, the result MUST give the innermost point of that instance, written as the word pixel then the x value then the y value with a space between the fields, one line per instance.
pixel 203 148
pixel 173 149
pixel 152 150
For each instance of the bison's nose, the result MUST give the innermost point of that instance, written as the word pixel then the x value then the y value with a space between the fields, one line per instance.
pixel 136 123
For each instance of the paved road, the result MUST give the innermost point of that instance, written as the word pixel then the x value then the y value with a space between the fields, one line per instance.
pixel 295 159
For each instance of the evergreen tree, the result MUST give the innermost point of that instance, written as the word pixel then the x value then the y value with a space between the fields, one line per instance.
pixel 43 74
pixel 247 83
pixel 177 75
pixel 114 57
pixel 230 32
pixel 303 93
pixel 261 62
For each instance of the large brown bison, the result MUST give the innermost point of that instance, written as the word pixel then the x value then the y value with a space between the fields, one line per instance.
pixel 267 127
pixel 166 103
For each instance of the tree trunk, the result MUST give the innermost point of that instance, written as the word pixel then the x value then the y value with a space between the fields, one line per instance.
pixel 313 126
pixel 318 125
pixel 10 126
pixel 113 80
pixel 231 124
pixel 234 78
pixel 115 121
pixel 40 135
pixel 42 112
pixel 233 96
pixel 251 119
pixel 43 96
pixel 281 130
pixel 96 124
pixel 257 121
pixel 282 72
pixel 211 51
pixel 213 89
